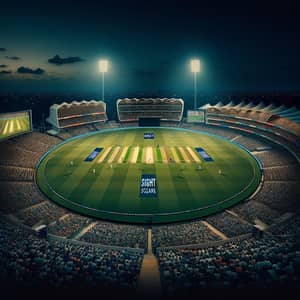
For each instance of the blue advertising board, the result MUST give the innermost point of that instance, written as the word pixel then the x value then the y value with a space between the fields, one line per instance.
pixel 148 186
pixel 92 156
pixel 203 154
pixel 148 135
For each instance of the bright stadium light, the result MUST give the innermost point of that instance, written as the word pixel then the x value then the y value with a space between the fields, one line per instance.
pixel 103 67
pixel 195 68
pixel 195 65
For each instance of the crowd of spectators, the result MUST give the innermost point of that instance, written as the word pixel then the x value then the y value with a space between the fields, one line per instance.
pixel 279 195
pixel 26 260
pixel 251 143
pixel 13 173
pixel 67 225
pixel 45 213
pixel 252 210
pixel 229 225
pixel 281 173
pixel 224 132
pixel 264 262
pixel 18 195
pixel 181 234
pixel 275 157
pixel 289 228
pixel 116 234
pixel 13 155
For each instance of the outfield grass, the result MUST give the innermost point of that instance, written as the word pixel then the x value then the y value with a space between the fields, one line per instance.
pixel 113 191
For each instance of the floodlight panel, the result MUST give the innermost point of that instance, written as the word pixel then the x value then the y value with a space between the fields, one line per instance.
pixel 103 65
pixel 195 65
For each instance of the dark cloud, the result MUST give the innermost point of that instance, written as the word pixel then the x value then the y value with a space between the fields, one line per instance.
pixel 3 72
pixel 2 49
pixel 3 66
pixel 13 57
pixel 57 60
pixel 24 70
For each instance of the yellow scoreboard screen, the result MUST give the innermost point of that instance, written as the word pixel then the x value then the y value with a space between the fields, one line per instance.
pixel 12 124
pixel 195 116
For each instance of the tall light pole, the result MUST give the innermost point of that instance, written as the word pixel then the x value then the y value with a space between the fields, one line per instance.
pixel 195 68
pixel 103 66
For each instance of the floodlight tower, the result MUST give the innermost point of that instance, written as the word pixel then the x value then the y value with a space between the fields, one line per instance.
pixel 103 66
pixel 195 68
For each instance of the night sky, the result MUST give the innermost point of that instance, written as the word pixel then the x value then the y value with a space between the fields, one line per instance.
pixel 54 46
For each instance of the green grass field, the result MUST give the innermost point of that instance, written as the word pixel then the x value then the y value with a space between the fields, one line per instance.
pixel 13 124
pixel 109 186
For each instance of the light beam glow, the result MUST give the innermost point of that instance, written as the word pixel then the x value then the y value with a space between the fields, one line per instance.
pixel 195 65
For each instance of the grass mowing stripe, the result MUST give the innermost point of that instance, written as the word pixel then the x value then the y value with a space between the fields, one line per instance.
pixel 83 186
pixel 184 155
pixel 134 155
pixel 103 155
pixel 111 196
pixel 114 155
pixel 60 164
pixel 96 192
pixel 122 154
pixel 139 158
pixel 181 187
pixel 129 198
pixel 127 154
pixel 174 154
pixel 164 155
pixel 193 155
pixel 179 155
pixel 158 155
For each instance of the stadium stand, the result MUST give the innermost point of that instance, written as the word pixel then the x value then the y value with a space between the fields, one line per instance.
pixel 249 263
pixel 116 234
pixel 13 173
pixel 164 108
pixel 253 211
pixel 76 113
pixel 279 195
pixel 275 157
pixel 223 132
pixel 17 195
pixel 289 228
pixel 44 213
pixel 191 255
pixel 181 234
pixel 282 173
pixel 29 261
pixel 230 225
pixel 250 142
pixel 67 225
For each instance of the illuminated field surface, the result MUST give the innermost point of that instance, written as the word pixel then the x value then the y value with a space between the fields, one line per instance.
pixel 143 175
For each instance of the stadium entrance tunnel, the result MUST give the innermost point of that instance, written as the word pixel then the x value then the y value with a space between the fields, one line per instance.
pixel 148 175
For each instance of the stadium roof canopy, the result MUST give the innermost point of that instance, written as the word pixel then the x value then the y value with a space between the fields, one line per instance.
pixel 292 113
